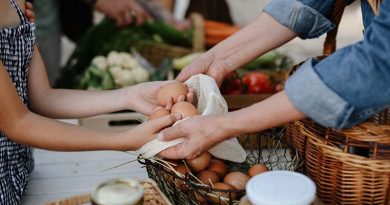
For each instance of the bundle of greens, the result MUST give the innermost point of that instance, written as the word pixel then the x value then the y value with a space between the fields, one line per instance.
pixel 106 37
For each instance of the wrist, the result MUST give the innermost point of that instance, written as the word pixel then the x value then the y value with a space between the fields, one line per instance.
pixel 125 97
pixel 223 128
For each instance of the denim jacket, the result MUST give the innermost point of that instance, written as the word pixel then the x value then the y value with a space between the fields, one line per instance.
pixel 352 84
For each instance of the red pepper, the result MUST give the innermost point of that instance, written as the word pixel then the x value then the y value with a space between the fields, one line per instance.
pixel 232 84
pixel 257 82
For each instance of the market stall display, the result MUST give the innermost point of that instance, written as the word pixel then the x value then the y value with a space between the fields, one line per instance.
pixel 106 37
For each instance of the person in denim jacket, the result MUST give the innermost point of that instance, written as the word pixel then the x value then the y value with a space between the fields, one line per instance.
pixel 340 91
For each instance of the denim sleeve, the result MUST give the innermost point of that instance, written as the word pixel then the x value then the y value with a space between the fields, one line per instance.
pixel 307 18
pixel 350 85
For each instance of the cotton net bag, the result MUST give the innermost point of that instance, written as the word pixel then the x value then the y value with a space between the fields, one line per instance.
pixel 210 102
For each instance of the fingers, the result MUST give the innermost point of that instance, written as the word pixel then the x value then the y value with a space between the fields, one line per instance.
pixel 184 75
pixel 175 152
pixel 181 98
pixel 163 122
pixel 169 103
pixel 29 12
pixel 172 133
pixel 191 97
pixel 140 14
pixel 157 108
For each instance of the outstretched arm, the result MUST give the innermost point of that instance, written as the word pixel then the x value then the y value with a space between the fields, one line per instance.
pixel 28 128
pixel 63 103
pixel 259 37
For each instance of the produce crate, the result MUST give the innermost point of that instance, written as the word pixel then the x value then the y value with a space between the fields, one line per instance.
pixel 113 121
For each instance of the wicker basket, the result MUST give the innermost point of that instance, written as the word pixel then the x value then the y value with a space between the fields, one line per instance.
pixel 273 152
pixel 350 166
pixel 156 53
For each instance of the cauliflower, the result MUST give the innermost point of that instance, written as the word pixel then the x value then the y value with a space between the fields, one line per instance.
pixel 100 62
pixel 114 59
pixel 140 75
pixel 125 78
pixel 128 61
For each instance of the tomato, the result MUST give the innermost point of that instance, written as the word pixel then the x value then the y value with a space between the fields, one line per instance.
pixel 232 84
pixel 257 82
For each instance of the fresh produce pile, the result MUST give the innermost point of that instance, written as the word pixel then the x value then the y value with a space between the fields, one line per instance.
pixel 261 76
pixel 118 69
pixel 105 37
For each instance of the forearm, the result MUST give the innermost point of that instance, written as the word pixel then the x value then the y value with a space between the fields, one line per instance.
pixel 61 103
pixel 259 37
pixel 266 114
pixel 37 131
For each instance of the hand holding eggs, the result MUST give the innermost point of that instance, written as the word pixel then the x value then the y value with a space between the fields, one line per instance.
pixel 173 91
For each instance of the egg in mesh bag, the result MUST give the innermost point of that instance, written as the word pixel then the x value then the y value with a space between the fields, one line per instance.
pixel 210 102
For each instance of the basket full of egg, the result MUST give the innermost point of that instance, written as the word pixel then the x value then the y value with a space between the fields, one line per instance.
pixel 209 180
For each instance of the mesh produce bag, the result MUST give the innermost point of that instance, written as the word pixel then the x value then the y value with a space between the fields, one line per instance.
pixel 210 102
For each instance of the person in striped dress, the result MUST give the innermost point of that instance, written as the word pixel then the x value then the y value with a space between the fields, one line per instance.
pixel 27 102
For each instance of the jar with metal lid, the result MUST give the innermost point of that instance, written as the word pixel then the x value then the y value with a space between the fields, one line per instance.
pixel 118 192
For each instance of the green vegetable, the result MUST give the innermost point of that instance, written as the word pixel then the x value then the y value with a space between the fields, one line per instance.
pixel 180 63
pixel 106 37
pixel 271 60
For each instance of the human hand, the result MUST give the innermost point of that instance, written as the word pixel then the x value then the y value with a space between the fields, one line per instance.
pixel 148 131
pixel 122 11
pixel 143 97
pixel 205 64
pixel 29 12
pixel 200 134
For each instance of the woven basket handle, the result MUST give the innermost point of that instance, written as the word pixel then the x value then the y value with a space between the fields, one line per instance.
pixel 337 13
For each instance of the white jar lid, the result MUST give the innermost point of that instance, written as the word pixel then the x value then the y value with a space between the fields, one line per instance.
pixel 280 188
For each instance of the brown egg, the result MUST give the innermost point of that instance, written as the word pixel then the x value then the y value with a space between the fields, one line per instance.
pixel 206 176
pixel 158 113
pixel 257 169
pixel 218 167
pixel 200 163
pixel 222 197
pixel 186 109
pixel 174 90
pixel 237 180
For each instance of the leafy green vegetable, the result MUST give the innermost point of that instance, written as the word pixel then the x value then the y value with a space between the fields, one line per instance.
pixel 106 37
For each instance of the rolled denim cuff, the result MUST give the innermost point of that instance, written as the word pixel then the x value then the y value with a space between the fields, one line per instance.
pixel 302 19
pixel 309 94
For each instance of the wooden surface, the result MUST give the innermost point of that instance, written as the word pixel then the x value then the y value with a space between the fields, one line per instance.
pixel 62 174
pixel 59 174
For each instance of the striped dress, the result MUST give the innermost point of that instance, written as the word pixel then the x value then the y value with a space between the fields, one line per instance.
pixel 16 161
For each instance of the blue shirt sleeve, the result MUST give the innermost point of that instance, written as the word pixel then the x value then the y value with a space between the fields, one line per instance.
pixel 307 18
pixel 350 85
